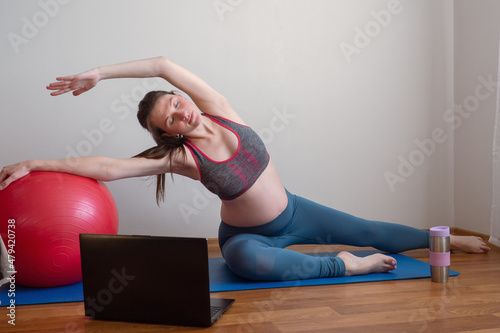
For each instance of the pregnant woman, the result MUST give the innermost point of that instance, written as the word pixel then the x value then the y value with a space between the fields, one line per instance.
pixel 208 141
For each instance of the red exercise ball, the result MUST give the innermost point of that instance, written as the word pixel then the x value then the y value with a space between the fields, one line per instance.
pixel 49 210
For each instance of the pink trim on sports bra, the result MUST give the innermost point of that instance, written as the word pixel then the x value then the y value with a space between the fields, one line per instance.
pixel 226 127
pixel 195 160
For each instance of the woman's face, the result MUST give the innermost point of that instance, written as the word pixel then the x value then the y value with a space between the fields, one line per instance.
pixel 175 115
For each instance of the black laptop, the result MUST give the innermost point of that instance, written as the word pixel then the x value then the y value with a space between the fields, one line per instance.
pixel 162 280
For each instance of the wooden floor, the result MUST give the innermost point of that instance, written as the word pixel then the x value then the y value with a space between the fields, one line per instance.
pixel 469 302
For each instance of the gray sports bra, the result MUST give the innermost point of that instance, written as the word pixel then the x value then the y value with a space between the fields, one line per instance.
pixel 231 178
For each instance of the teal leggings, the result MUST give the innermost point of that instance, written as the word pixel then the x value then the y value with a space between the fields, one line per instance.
pixel 258 253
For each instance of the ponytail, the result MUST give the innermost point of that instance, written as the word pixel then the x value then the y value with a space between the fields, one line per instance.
pixel 165 145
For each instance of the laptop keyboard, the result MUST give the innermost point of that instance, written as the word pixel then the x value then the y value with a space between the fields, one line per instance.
pixel 215 310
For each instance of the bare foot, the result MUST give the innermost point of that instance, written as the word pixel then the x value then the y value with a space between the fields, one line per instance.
pixel 469 244
pixel 375 263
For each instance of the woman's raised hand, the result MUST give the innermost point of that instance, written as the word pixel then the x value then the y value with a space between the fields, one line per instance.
pixel 78 83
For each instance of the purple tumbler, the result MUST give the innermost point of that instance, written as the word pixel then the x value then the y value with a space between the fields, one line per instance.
pixel 439 256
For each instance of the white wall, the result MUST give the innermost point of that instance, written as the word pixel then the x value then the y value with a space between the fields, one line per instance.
pixel 476 55
pixel 336 125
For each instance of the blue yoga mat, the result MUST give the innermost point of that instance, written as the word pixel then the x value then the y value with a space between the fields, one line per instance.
pixel 222 279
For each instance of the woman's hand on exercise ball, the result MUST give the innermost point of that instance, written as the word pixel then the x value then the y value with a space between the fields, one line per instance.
pixel 78 83
pixel 13 172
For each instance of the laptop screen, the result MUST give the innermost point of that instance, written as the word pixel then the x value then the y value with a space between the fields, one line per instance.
pixel 146 279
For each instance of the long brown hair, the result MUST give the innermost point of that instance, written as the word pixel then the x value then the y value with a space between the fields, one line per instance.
pixel 165 145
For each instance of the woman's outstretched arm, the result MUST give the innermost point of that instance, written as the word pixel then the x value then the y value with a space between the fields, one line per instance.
pixel 85 81
pixel 96 167
pixel 203 95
